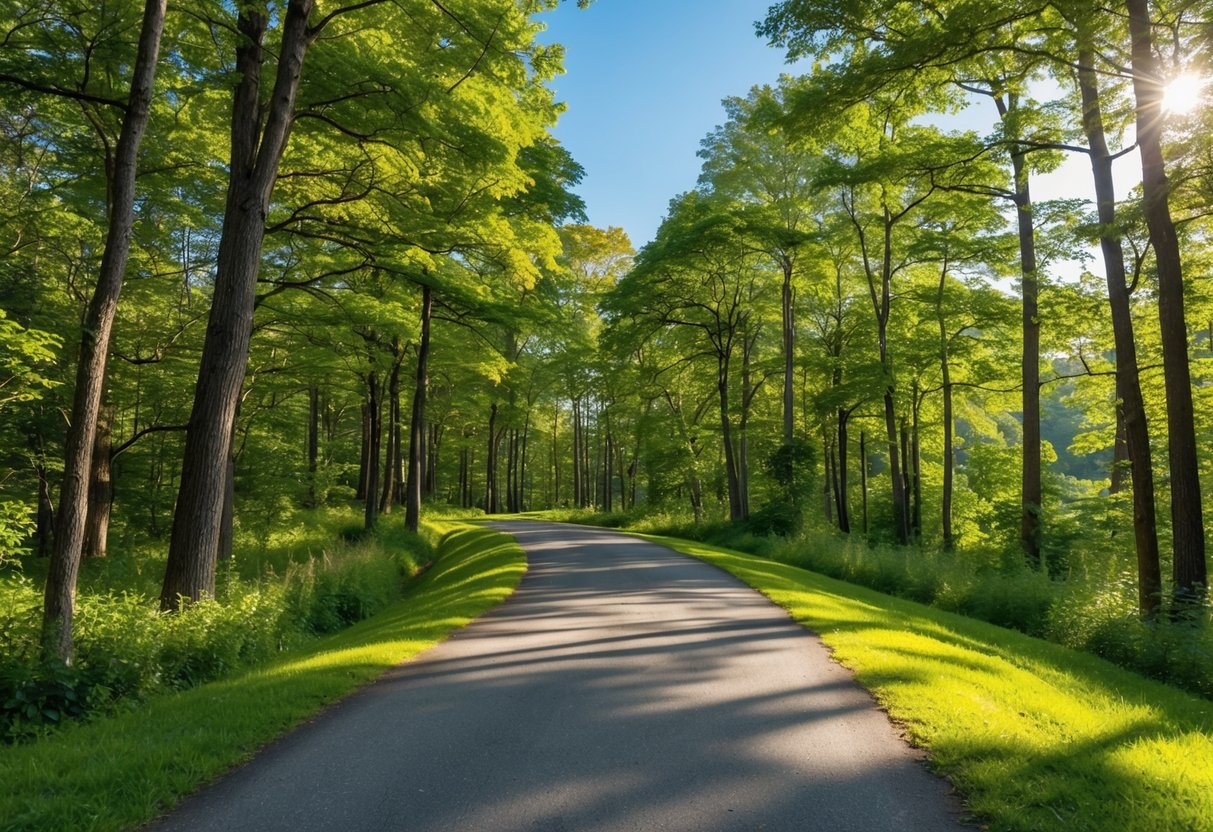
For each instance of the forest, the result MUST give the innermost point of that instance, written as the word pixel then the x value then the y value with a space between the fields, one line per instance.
pixel 280 280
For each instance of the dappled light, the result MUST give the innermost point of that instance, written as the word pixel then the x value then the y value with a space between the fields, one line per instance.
pixel 621 687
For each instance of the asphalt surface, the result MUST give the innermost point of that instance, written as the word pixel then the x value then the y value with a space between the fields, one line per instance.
pixel 623 687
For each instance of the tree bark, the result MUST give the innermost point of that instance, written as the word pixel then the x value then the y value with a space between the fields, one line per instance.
pixel 1187 523
pixel 736 510
pixel 526 429
pixel 829 481
pixel 576 402
pixel 1030 490
pixel 789 346
pixel 412 489
pixel 841 486
pixel 863 476
pixel 101 486
pixel 227 516
pixel 555 457
pixel 255 155
pixel 1132 429
pixel 44 519
pixel 916 466
pixel 490 488
pixel 313 443
pixel 373 408
pixel 388 493
pixel 949 453
pixel 60 597
pixel 364 463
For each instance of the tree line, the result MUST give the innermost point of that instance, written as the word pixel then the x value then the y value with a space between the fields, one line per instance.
pixel 352 267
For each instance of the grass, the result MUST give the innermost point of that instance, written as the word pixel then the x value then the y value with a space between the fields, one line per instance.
pixel 1089 605
pixel 122 771
pixel 1035 735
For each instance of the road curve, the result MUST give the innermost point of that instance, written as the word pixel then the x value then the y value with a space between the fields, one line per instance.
pixel 622 687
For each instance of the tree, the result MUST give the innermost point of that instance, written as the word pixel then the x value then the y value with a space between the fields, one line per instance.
pixel 757 161
pixel 1188 537
pixel 94 346
pixel 699 276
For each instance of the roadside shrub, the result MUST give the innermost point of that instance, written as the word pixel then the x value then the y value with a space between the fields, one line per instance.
pixel 778 518
pixel 1091 605
pixel 127 650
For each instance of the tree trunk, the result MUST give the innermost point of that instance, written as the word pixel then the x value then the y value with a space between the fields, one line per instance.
pixel 490 488
pixel 949 453
pixel 576 453
pixel 374 408
pixel 1030 500
pixel 905 470
pixel 390 486
pixel 101 486
pixel 463 478
pixel 1187 523
pixel 789 345
pixel 1117 480
pixel 736 510
pixel 841 487
pixel 313 443
pixel 522 466
pixel 1132 431
pixel 608 456
pixel 916 467
pixel 364 464
pixel 555 457
pixel 829 480
pixel 227 516
pixel 431 459
pixel 255 156
pixel 863 476
pixel 900 508
pixel 60 597
pixel 44 519
pixel 412 489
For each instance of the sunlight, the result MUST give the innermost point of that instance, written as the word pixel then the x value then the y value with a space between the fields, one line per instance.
pixel 1183 94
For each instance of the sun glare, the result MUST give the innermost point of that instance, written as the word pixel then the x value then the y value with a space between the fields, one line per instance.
pixel 1183 94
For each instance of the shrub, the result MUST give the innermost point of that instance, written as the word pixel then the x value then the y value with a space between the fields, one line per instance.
pixel 1089 605
pixel 127 650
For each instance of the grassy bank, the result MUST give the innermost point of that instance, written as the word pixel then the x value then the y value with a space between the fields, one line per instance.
pixel 315 577
pixel 1091 606
pixel 121 771
pixel 1035 735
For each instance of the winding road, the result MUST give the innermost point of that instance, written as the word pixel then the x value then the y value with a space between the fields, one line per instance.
pixel 622 687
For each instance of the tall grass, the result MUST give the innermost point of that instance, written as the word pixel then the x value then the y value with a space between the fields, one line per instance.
pixel 313 579
pixel 1090 606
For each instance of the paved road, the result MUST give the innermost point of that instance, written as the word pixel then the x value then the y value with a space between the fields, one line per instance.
pixel 623 687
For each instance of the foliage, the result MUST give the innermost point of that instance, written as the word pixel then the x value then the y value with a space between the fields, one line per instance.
pixel 1089 611
pixel 1035 736
pixel 127 651
pixel 121 771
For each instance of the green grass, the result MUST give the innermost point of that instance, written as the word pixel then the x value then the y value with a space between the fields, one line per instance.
pixel 119 772
pixel 1035 735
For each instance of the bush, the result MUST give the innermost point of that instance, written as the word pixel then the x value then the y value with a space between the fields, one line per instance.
pixel 1089 607
pixel 126 650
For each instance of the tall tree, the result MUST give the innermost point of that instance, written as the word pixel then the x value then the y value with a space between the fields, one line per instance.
pixel 257 146
pixel 94 344
pixel 1187 520
pixel 758 161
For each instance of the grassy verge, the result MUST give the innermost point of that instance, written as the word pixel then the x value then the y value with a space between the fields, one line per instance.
pixel 1035 735
pixel 119 772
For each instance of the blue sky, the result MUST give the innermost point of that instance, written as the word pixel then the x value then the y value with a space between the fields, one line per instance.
pixel 643 84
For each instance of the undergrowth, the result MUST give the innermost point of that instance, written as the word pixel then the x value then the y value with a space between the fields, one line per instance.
pixel 312 580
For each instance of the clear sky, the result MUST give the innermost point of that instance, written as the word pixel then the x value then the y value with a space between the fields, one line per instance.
pixel 643 85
